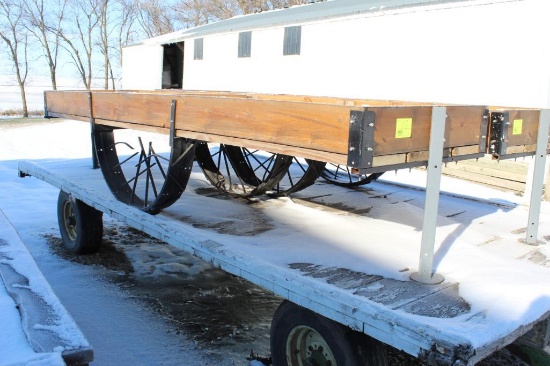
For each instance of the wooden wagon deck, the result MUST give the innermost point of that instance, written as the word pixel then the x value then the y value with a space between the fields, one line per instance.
pixel 359 276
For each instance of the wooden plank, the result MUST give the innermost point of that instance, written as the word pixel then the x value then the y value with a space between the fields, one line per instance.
pixel 310 127
pixel 313 126
pixel 464 128
pixel 522 149
pixel 384 160
pixel 527 134
pixel 68 103
pixel 136 108
pixel 487 171
pixel 290 98
pixel 266 146
pixel 439 301
pixel 517 167
pixel 487 180
pixel 68 116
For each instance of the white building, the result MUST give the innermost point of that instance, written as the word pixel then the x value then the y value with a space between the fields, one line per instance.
pixel 489 52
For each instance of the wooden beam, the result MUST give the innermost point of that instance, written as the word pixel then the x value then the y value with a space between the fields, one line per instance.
pixel 306 126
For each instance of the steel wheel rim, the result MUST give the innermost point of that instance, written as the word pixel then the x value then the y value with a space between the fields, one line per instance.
pixel 218 168
pixel 240 171
pixel 301 174
pixel 155 182
pixel 342 175
pixel 69 220
pixel 306 347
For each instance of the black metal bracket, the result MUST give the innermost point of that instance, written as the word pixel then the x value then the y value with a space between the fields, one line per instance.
pixel 484 131
pixel 361 139
pixel 172 123
pixel 45 107
pixel 499 133
pixel 95 161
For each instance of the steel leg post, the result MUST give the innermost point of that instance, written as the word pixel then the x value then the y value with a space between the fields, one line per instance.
pixel 538 178
pixel 435 161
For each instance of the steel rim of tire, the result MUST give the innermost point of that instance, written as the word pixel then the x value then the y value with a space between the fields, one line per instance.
pixel 342 175
pixel 301 174
pixel 69 219
pixel 240 171
pixel 219 170
pixel 291 173
pixel 155 181
pixel 305 347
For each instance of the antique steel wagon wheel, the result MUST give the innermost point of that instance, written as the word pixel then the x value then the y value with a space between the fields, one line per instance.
pixel 143 178
pixel 344 176
pixel 300 175
pixel 241 171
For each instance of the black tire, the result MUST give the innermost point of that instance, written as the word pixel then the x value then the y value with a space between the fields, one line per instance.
pixel 80 225
pixel 299 337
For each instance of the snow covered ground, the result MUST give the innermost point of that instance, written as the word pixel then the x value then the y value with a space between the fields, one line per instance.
pixel 121 331
pixel 483 231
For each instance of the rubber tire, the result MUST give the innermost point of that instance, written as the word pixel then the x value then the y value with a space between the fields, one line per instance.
pixel 88 223
pixel 350 348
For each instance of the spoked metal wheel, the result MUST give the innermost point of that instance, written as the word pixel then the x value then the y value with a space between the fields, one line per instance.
pixel 141 177
pixel 241 171
pixel 300 175
pixel 345 176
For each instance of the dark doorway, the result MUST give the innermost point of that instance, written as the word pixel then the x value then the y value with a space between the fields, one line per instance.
pixel 172 66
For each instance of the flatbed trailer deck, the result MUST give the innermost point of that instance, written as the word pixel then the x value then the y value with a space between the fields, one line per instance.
pixel 359 277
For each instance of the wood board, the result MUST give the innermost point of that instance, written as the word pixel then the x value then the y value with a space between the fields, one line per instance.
pixel 310 127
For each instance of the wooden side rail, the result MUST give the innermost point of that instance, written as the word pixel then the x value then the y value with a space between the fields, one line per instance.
pixel 367 134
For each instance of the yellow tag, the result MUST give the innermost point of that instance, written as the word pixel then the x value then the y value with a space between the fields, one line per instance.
pixel 403 128
pixel 517 127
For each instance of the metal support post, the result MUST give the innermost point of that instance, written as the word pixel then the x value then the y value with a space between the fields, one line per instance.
pixel 425 272
pixel 538 178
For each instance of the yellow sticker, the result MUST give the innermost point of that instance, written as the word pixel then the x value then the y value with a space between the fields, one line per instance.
pixel 403 128
pixel 517 127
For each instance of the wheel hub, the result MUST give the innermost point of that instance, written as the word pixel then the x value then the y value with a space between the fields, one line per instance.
pixel 70 221
pixel 306 347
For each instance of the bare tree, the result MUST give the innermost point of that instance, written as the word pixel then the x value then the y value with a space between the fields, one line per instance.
pixel 126 32
pixel 14 35
pixel 116 30
pixel 222 9
pixel 155 17
pixel 78 36
pixel 192 13
pixel 102 12
pixel 44 28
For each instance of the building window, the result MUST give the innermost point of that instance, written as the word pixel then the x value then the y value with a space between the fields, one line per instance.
pixel 293 40
pixel 245 43
pixel 198 49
